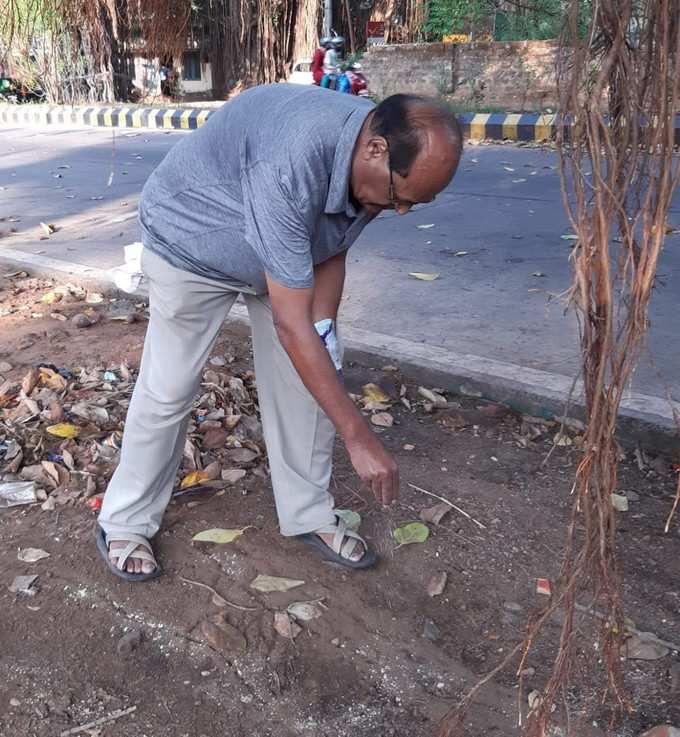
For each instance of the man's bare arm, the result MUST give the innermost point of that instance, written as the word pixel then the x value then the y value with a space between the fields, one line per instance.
pixel 329 280
pixel 294 321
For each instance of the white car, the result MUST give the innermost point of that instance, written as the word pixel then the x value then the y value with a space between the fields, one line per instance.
pixel 302 72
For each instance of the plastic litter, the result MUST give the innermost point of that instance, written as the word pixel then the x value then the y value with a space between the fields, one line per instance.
pixel 16 493
pixel 129 276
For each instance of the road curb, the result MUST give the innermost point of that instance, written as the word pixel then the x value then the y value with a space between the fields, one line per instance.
pixel 645 420
pixel 521 127
pixel 120 116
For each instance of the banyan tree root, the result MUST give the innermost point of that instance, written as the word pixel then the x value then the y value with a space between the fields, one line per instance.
pixel 619 84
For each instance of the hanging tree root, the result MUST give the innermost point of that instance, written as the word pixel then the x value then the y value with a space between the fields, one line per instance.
pixel 619 84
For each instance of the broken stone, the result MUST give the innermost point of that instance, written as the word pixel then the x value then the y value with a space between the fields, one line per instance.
pixel 81 321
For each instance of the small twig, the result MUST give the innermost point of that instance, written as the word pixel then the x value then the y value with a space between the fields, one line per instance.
pixel 98 722
pixel 675 506
pixel 215 593
pixel 451 504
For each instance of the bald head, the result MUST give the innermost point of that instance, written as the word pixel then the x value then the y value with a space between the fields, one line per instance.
pixel 416 142
pixel 407 121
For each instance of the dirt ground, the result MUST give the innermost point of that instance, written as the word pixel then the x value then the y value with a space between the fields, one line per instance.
pixel 384 658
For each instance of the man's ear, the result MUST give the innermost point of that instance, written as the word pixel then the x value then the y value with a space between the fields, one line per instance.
pixel 376 147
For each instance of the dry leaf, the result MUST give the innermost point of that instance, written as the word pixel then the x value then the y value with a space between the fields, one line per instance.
pixel 434 515
pixel 382 419
pixel 241 455
pixel 437 584
pixel 437 399
pixel 194 479
pixel 32 555
pixel 427 226
pixel 48 228
pixel 414 532
pixel 644 647
pixel 267 584
pixel 52 380
pixel 214 438
pixel 423 276
pixel 304 611
pixel 232 475
pixel 29 381
pixel 64 430
pixel 219 535
pixel 374 393
pixel 213 470
pixel 285 626
pixel 562 439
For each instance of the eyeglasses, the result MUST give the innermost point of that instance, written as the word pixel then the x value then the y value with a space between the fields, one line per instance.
pixel 403 206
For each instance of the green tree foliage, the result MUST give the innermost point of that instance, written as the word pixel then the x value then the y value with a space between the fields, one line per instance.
pixel 457 16
pixel 507 20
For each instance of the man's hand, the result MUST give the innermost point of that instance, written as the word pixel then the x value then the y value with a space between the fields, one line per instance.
pixel 375 467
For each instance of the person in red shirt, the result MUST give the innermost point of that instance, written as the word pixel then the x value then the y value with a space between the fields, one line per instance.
pixel 317 61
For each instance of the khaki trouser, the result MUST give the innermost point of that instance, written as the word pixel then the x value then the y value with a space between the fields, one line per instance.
pixel 187 312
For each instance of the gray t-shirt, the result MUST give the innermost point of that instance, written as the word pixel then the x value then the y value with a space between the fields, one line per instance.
pixel 262 186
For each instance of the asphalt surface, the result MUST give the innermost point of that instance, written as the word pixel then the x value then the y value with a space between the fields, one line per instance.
pixel 501 299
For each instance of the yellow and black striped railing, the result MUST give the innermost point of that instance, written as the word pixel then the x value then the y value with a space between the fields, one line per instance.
pixel 493 126
pixel 109 117
pixel 519 126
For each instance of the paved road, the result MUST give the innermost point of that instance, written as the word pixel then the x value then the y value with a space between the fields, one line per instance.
pixel 504 209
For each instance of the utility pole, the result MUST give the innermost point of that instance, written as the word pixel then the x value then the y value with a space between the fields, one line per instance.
pixel 327 17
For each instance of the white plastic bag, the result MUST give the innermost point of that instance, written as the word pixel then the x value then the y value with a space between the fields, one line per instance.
pixel 129 276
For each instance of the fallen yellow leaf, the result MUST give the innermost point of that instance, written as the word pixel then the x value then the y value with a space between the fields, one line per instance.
pixel 64 430
pixel 374 393
pixel 219 535
pixel 194 479
pixel 52 379
pixel 423 277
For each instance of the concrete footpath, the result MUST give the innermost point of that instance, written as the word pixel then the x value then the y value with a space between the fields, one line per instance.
pixel 491 324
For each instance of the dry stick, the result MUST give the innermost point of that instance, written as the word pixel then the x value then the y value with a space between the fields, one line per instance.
pixel 675 506
pixel 98 722
pixel 451 504
pixel 215 593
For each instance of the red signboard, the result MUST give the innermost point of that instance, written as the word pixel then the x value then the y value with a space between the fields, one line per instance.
pixel 375 28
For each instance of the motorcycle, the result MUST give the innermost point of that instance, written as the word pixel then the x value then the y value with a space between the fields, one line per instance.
pixel 357 81
pixel 349 81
